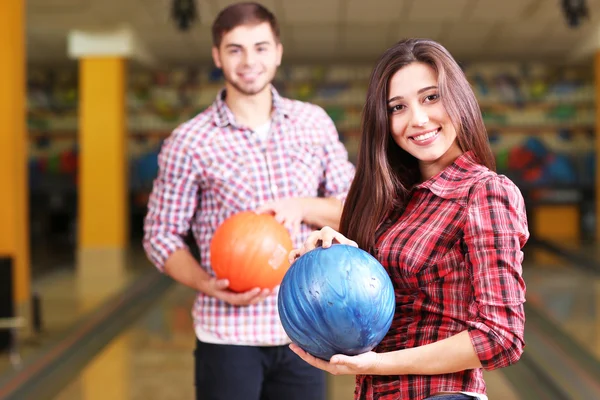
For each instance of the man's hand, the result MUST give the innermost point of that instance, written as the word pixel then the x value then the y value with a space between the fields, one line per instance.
pixel 218 288
pixel 288 212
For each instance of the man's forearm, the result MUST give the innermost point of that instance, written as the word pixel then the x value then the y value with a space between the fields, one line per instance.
pixel 183 267
pixel 320 212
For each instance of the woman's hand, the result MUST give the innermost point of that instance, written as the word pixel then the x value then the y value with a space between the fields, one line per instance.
pixel 324 237
pixel 340 364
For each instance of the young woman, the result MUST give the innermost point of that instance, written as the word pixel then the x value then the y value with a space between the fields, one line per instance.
pixel 449 230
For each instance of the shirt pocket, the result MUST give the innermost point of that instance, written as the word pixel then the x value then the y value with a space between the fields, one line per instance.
pixel 305 169
pixel 429 253
pixel 232 183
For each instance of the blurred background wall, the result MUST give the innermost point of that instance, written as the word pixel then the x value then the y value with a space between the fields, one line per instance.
pixel 534 66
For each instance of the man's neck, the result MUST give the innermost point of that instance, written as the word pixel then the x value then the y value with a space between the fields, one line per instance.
pixel 251 111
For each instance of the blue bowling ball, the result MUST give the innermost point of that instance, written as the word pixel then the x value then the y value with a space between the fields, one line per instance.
pixel 338 300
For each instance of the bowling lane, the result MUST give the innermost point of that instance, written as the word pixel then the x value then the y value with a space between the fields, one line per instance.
pixel 70 292
pixel 569 297
pixel 152 359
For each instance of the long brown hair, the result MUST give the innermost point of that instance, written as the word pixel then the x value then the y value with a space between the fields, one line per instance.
pixel 385 172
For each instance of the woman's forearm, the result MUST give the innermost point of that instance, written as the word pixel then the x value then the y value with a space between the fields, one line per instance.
pixel 449 355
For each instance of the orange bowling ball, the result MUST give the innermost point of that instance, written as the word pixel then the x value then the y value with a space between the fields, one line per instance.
pixel 250 250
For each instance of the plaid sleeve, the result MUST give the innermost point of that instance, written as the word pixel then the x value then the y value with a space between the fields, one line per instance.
pixel 172 202
pixel 495 232
pixel 339 171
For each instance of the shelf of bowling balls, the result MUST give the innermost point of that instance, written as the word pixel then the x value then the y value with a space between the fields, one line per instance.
pixel 73 133
pixel 542 104
pixel 540 128
pixel 530 129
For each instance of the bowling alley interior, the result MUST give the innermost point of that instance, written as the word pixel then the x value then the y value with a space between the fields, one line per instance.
pixel 92 89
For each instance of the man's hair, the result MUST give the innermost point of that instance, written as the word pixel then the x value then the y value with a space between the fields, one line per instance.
pixel 246 13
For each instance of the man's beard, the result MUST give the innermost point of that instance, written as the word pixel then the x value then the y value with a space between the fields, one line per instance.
pixel 248 91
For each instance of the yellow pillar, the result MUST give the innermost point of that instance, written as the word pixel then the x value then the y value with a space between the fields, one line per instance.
pixel 14 202
pixel 103 211
pixel 557 224
pixel 102 188
pixel 103 165
pixel 103 228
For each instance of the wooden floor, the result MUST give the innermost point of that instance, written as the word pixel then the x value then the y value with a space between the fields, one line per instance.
pixel 152 359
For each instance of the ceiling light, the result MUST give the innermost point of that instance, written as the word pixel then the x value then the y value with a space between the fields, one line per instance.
pixel 184 13
pixel 575 11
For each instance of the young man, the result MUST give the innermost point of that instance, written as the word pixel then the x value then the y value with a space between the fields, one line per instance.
pixel 250 150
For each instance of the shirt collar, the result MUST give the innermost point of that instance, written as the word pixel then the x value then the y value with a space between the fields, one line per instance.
pixel 450 180
pixel 224 116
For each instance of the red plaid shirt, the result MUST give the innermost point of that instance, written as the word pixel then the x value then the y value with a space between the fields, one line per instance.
pixel 454 256
pixel 211 168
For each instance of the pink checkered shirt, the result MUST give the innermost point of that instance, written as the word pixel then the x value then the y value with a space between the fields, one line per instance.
pixel 211 168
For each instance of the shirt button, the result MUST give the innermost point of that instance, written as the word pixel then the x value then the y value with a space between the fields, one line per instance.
pixel 274 188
